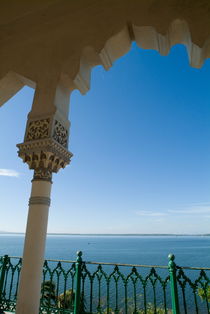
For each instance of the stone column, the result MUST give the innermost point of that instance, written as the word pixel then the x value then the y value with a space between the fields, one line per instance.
pixel 45 150
pixel 33 256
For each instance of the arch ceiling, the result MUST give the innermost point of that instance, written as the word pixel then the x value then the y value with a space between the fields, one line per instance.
pixel 65 39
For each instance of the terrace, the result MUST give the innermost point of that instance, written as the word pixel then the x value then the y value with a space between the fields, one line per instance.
pixel 52 47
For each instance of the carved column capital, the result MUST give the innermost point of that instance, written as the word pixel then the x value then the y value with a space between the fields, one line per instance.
pixel 45 147
pixel 42 174
pixel 44 156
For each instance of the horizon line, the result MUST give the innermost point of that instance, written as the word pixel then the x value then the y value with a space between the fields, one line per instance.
pixel 114 234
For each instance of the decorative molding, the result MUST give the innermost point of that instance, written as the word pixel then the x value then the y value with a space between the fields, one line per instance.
pixel 39 200
pixel 43 174
pixel 60 134
pixel 43 156
pixel 146 37
pixel 81 83
pixel 105 59
pixel 38 129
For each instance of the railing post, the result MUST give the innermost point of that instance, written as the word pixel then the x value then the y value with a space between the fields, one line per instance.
pixel 173 284
pixel 77 299
pixel 3 271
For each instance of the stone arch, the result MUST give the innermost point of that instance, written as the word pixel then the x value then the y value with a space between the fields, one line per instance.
pixel 146 37
pixel 10 84
pixel 66 39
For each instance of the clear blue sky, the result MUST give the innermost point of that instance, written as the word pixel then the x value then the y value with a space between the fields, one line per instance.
pixel 141 145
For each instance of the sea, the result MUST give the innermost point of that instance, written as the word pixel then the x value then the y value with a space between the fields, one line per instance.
pixel 193 251
pixel 149 250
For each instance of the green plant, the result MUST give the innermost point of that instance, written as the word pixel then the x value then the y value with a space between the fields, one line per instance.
pixel 66 300
pixel 48 293
pixel 63 301
pixel 150 310
pixel 204 294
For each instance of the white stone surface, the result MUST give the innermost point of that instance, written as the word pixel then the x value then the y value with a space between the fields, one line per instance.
pixel 33 256
pixel 61 41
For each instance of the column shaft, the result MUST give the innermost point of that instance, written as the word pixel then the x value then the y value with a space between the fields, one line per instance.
pixel 34 247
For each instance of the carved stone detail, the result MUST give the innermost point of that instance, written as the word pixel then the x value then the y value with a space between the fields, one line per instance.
pixel 43 200
pixel 60 134
pixel 44 156
pixel 38 129
pixel 42 174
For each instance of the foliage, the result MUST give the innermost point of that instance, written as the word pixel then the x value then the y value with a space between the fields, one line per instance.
pixel 63 301
pixel 66 300
pixel 150 310
pixel 204 293
pixel 48 293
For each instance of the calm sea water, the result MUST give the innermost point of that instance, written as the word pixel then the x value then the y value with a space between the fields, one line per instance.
pixel 148 250
pixel 189 250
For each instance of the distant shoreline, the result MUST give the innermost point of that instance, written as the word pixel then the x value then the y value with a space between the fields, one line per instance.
pixel 115 234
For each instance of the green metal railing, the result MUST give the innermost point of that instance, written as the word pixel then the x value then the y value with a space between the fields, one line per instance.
pixel 90 287
pixel 10 273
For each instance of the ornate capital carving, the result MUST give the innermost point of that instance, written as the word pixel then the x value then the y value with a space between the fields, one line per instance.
pixel 44 156
pixel 48 127
pixel 60 134
pixel 38 129
pixel 45 146
pixel 43 174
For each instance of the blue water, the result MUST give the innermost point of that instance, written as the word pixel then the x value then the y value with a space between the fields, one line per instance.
pixel 148 250
pixel 189 250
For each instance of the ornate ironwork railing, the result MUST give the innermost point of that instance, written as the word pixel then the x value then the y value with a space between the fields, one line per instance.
pixel 90 287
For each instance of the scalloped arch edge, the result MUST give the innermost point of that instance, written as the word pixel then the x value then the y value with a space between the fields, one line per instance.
pixel 146 37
